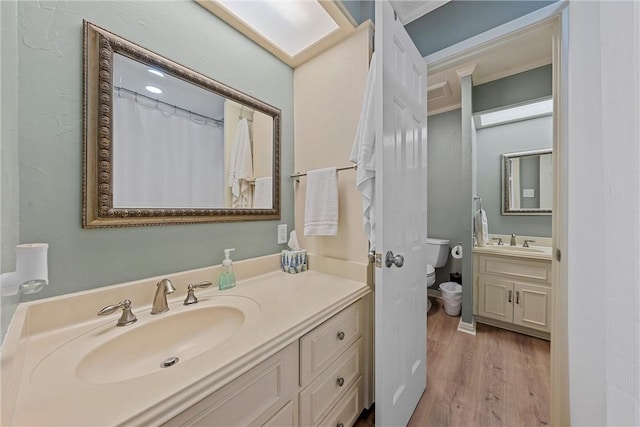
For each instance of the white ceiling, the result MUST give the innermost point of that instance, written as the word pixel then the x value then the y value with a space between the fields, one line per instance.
pixel 516 54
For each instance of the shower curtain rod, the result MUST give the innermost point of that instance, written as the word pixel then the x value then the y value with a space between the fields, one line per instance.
pixel 175 107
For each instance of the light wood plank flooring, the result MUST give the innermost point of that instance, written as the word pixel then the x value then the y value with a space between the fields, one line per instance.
pixel 497 378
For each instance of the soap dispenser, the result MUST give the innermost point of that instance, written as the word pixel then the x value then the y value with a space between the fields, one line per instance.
pixel 227 278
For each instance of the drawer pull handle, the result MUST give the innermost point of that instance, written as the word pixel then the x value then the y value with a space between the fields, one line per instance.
pixel 339 425
pixel 517 297
pixel 340 382
pixel 340 335
pixel 510 293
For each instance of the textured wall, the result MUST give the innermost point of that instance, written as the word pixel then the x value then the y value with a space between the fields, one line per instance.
pixel 50 138
pixel 9 217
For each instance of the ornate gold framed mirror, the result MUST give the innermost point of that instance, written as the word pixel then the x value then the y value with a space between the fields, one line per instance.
pixel 164 144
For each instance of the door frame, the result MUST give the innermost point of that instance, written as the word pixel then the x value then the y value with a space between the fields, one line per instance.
pixel 555 15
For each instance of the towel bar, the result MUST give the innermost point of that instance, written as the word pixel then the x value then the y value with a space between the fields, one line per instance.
pixel 297 175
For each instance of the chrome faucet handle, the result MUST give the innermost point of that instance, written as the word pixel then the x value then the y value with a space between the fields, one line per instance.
pixel 191 296
pixel 127 317
pixel 526 243
pixel 499 239
pixel 513 240
pixel 163 287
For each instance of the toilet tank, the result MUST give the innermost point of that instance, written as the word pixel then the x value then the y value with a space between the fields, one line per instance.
pixel 437 252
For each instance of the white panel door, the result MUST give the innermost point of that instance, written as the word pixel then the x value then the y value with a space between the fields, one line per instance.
pixel 401 220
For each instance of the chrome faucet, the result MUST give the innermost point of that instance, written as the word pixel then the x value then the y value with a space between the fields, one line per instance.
pixel 163 288
pixel 127 317
pixel 513 240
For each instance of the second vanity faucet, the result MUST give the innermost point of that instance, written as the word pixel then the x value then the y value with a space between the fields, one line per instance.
pixel 513 240
pixel 163 288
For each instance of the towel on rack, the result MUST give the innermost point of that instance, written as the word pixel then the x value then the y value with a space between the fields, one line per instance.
pixel 363 155
pixel 481 226
pixel 321 204
pixel 241 167
pixel 263 192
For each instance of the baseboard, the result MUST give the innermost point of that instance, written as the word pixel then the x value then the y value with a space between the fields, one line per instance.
pixel 467 328
pixel 514 328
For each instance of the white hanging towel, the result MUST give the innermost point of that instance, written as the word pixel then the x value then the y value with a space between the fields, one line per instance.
pixel 481 226
pixel 363 155
pixel 321 204
pixel 241 167
pixel 262 193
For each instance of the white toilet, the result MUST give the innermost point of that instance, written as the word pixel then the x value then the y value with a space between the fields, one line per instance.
pixel 437 255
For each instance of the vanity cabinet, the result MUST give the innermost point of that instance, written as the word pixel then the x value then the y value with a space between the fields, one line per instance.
pixel 317 380
pixel 331 369
pixel 261 396
pixel 513 293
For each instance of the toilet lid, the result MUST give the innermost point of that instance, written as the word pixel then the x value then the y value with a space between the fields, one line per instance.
pixel 430 270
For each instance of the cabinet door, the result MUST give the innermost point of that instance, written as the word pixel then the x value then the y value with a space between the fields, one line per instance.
pixel 532 306
pixel 496 298
pixel 251 399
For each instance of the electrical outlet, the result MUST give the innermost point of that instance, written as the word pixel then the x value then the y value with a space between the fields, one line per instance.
pixel 282 233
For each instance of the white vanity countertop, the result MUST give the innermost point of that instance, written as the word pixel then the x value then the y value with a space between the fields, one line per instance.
pixel 533 252
pixel 37 391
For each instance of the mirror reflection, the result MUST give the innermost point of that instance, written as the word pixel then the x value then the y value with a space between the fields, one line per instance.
pixel 180 147
pixel 527 184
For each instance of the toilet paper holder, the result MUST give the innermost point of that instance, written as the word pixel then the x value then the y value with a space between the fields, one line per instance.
pixel 456 251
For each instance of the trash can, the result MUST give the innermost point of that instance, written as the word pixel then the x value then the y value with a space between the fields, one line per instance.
pixel 452 296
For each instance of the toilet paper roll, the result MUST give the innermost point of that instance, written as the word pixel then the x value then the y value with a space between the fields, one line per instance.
pixel 456 252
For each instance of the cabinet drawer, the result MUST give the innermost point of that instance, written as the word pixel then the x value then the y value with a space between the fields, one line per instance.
pixel 346 412
pixel 318 398
pixel 251 399
pixel 515 268
pixel 321 346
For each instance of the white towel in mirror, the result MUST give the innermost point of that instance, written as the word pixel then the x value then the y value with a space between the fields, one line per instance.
pixel 262 193
pixel 321 204
pixel 241 167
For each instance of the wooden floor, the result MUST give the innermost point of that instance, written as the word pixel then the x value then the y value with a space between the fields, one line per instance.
pixel 496 378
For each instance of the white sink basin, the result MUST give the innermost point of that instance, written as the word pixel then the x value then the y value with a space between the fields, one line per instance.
pixel 110 354
pixel 142 350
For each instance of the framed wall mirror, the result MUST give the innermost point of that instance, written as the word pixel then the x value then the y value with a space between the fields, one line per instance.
pixel 164 144
pixel 527 183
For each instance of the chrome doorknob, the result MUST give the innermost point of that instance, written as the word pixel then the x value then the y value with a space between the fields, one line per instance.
pixel 397 260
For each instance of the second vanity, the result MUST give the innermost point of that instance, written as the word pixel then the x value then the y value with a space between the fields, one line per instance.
pixel 277 350
pixel 512 288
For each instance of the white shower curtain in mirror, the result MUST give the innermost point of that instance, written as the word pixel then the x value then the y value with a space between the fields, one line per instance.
pixel 164 160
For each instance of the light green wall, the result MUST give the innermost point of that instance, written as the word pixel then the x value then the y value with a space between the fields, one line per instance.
pixel 9 215
pixel 515 89
pixel 447 207
pixel 50 138
pixel 525 135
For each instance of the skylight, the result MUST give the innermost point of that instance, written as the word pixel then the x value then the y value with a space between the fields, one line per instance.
pixel 291 25
pixel 520 112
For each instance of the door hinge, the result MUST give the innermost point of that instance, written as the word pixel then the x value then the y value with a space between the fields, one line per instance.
pixel 378 260
pixel 558 254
